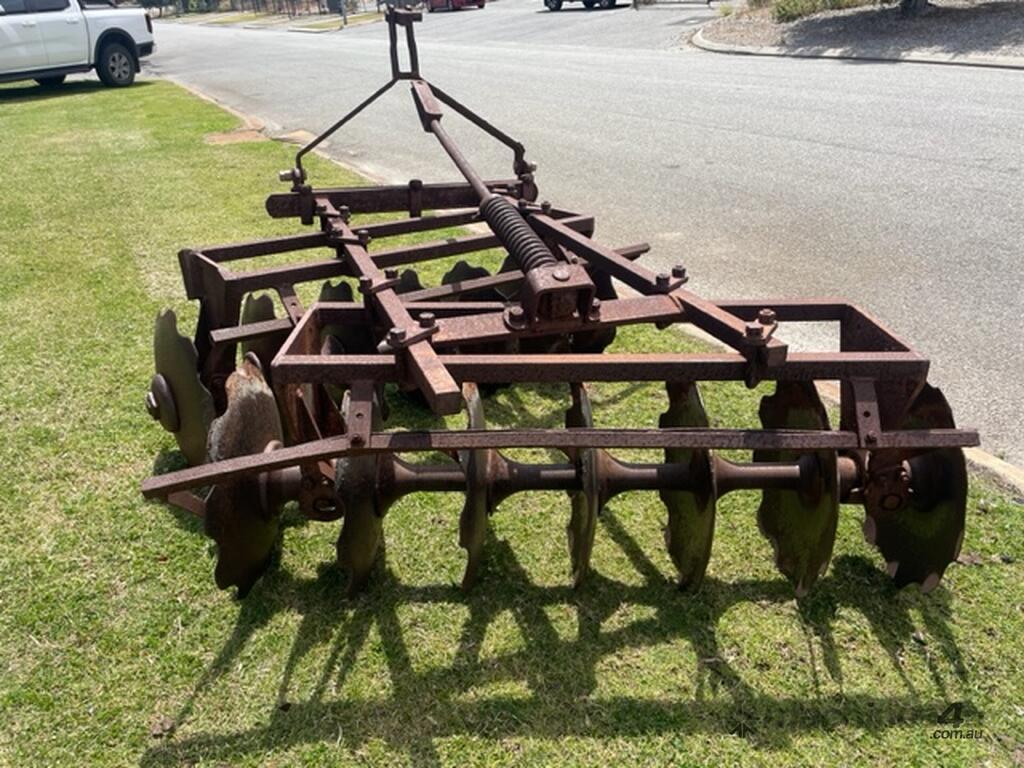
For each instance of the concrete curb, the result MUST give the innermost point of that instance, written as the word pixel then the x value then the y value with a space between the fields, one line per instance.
pixel 1001 472
pixel 308 31
pixel 249 123
pixel 994 62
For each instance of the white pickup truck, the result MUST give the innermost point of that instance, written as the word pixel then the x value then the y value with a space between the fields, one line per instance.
pixel 46 40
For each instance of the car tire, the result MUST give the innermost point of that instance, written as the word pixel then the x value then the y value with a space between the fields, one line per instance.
pixel 50 82
pixel 553 5
pixel 116 66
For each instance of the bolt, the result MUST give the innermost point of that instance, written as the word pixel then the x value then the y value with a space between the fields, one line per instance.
pixel 891 502
pixel 319 209
pixel 754 331
pixel 396 334
pixel 427 320
pixel 364 237
pixel 662 280
pixel 595 308
pixel 523 204
pixel 560 273
pixel 545 207
pixel 288 175
pixel 871 438
pixel 516 314
pixel 766 317
pixel 365 284
pixel 391 274
pixel 356 439
pixel 679 272
pixel 345 212
pixel 152 406
pixel 415 184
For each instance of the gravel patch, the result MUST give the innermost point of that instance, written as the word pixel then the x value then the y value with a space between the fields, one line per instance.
pixel 959 27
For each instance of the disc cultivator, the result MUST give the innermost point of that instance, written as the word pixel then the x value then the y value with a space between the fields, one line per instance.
pixel 269 410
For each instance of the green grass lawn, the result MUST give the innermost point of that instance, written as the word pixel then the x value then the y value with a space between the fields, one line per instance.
pixel 334 22
pixel 240 18
pixel 110 623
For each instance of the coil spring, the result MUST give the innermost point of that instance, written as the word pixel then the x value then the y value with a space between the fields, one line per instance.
pixel 515 234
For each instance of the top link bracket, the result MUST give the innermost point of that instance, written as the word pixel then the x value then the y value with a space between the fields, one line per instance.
pixel 400 17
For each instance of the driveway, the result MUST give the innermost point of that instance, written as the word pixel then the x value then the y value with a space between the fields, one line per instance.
pixel 899 187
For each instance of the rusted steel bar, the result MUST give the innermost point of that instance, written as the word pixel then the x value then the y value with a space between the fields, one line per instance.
pixel 304 241
pixel 436 197
pixel 454 440
pixel 434 381
pixel 481 328
pixel 802 366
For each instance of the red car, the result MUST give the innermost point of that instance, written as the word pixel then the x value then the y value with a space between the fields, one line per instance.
pixel 452 5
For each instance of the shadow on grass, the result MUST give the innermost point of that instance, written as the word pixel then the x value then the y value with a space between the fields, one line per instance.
pixel 22 92
pixel 561 673
pixel 983 29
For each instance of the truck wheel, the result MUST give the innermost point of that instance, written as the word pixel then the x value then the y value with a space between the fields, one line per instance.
pixel 116 66
pixel 50 82
pixel 553 5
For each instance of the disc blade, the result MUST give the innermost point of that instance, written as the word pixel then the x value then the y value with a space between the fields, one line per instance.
pixel 691 514
pixel 586 502
pixel 476 510
pixel 356 339
pixel 256 309
pixel 355 487
pixel 245 532
pixel 251 420
pixel 175 359
pixel 800 524
pixel 922 536
pixel 359 540
pixel 408 281
pixel 464 271
pixel 245 536
pixel 509 292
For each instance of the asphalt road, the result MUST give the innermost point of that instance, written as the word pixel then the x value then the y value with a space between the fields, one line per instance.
pixel 897 186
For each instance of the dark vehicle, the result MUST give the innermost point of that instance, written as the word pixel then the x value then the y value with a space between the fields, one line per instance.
pixel 452 5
